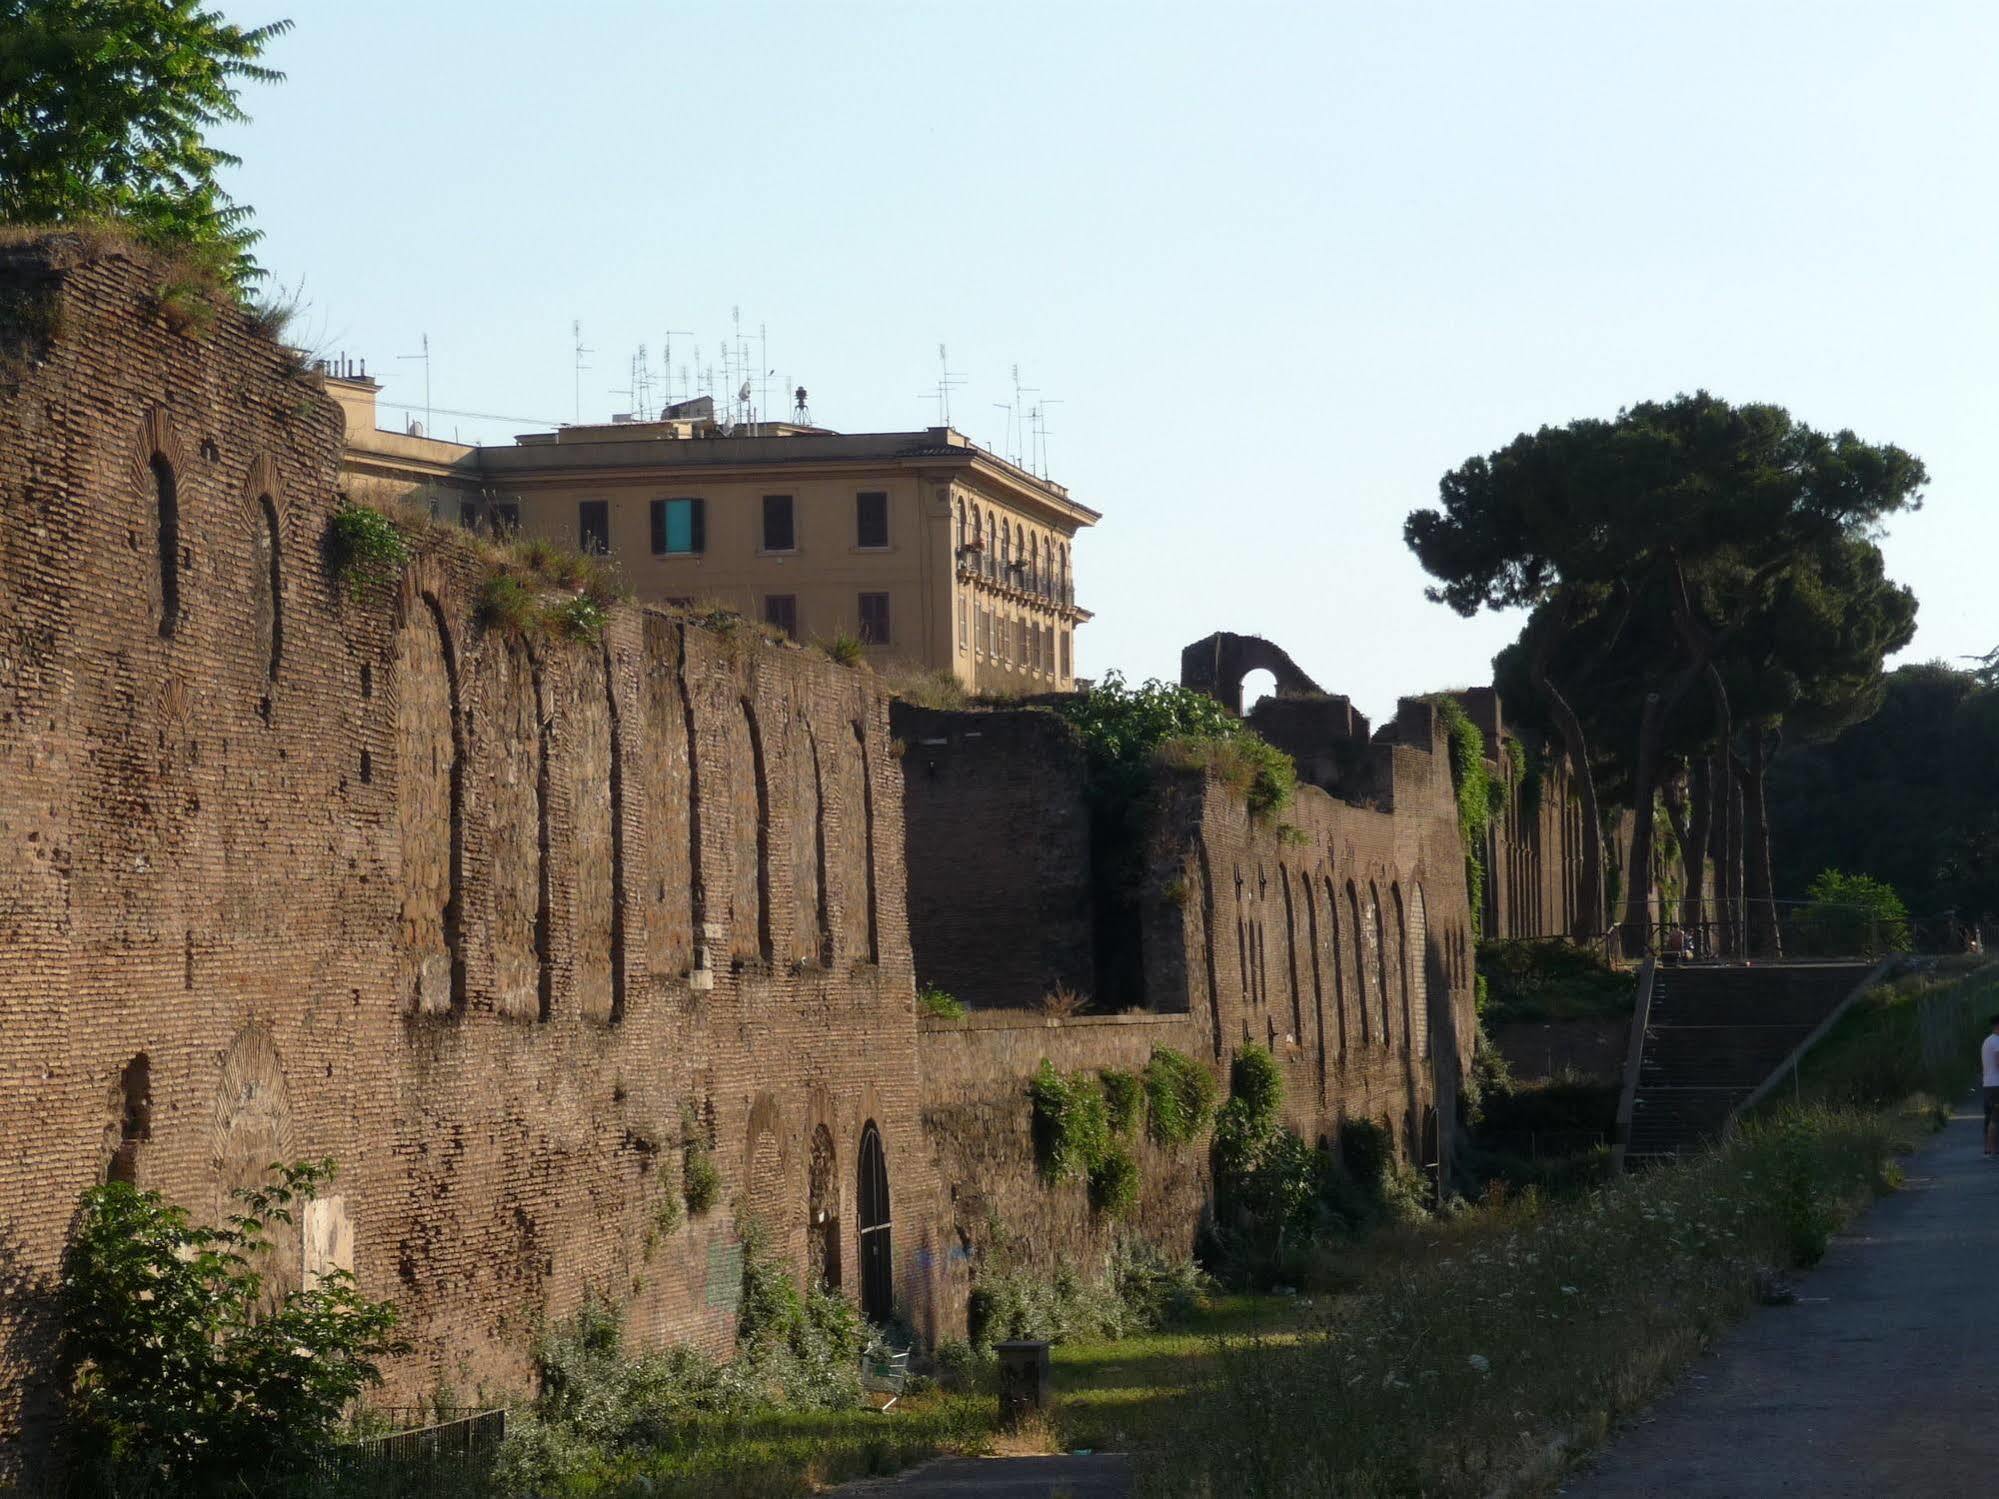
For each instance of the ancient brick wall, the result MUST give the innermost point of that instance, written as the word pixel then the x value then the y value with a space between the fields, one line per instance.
pixel 287 873
pixel 1338 935
pixel 977 1117
pixel 998 851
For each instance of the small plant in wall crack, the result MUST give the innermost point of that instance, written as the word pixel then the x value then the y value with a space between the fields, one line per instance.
pixel 941 1003
pixel 365 549
pixel 700 1177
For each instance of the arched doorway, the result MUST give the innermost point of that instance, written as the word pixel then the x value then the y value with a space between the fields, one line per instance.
pixel 822 1214
pixel 877 1267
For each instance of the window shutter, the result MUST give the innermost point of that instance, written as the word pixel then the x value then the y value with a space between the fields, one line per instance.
pixel 659 528
pixel 698 522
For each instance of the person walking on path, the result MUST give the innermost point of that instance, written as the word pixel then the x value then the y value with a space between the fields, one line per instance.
pixel 1988 1053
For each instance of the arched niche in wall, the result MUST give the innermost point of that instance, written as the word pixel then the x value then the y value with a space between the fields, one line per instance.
pixel 877 1245
pixel 263 514
pixel 430 804
pixel 161 464
pixel 249 1130
pixel 1419 969
pixel 822 1212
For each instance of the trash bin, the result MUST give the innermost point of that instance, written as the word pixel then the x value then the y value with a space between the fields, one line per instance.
pixel 1023 1379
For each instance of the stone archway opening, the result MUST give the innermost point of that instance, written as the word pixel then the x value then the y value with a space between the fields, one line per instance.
pixel 822 1213
pixel 1258 683
pixel 877 1262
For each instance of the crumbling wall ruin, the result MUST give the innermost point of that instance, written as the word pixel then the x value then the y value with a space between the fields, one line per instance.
pixel 286 873
pixel 1335 933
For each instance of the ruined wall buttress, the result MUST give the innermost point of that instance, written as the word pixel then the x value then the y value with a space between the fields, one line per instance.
pixel 998 852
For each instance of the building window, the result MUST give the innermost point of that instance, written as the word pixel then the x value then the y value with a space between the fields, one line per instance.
pixel 871 518
pixel 1065 653
pixel 679 527
pixel 781 610
pixel 468 514
pixel 779 533
pixel 964 633
pixel 985 632
pixel 506 517
pixel 874 619
pixel 593 526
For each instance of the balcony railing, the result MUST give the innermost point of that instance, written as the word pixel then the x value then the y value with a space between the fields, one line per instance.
pixel 1020 577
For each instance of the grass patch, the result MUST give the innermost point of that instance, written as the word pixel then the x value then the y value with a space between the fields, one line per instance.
pixel 1910 1041
pixel 1551 981
pixel 845 649
pixel 534 587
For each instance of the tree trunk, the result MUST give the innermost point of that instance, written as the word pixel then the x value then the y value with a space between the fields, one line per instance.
pixel 1589 922
pixel 1765 936
pixel 1737 926
pixel 1694 849
pixel 1673 792
pixel 1636 937
pixel 1720 929
pixel 1644 788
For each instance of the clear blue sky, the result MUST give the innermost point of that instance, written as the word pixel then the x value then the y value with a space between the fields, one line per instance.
pixel 1282 267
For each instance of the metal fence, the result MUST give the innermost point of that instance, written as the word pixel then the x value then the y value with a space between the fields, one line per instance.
pixel 433 1459
pixel 1781 931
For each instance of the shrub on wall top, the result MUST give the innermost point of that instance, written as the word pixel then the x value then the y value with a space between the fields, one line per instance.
pixel 1126 728
pixel 365 549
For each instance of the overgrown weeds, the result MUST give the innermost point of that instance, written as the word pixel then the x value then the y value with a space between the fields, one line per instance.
pixel 940 1003
pixel 846 650
pixel 1485 1361
pixel 534 587
pixel 1551 981
pixel 365 549
pixel 1910 1041
pixel 679 1422
pixel 1136 1288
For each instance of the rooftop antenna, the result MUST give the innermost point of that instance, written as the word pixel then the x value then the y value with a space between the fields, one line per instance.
pixel 1008 409
pixel 1020 395
pixel 763 363
pixel 801 413
pixel 640 390
pixel 425 357
pixel 666 369
pixel 948 380
pixel 576 331
pixel 1041 429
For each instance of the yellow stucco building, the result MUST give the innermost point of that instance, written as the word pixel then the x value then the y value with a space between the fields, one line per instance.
pixel 921 545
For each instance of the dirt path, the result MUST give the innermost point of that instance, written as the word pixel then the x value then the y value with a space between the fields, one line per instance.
pixel 1883 1378
pixel 1104 1476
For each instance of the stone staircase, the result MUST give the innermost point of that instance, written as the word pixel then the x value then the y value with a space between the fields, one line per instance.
pixel 1713 1035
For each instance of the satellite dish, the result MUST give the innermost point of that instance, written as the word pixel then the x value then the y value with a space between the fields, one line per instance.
pixel 743 395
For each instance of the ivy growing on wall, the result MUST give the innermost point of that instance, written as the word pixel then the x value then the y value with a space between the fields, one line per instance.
pixel 1086 1127
pixel 1479 797
pixel 1179 1097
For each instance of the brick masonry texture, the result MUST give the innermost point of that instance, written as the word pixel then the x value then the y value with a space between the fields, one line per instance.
pixel 1337 934
pixel 496 920
pixel 998 850
pixel 482 918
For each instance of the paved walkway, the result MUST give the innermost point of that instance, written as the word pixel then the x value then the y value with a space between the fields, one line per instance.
pixel 1104 1476
pixel 1882 1380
